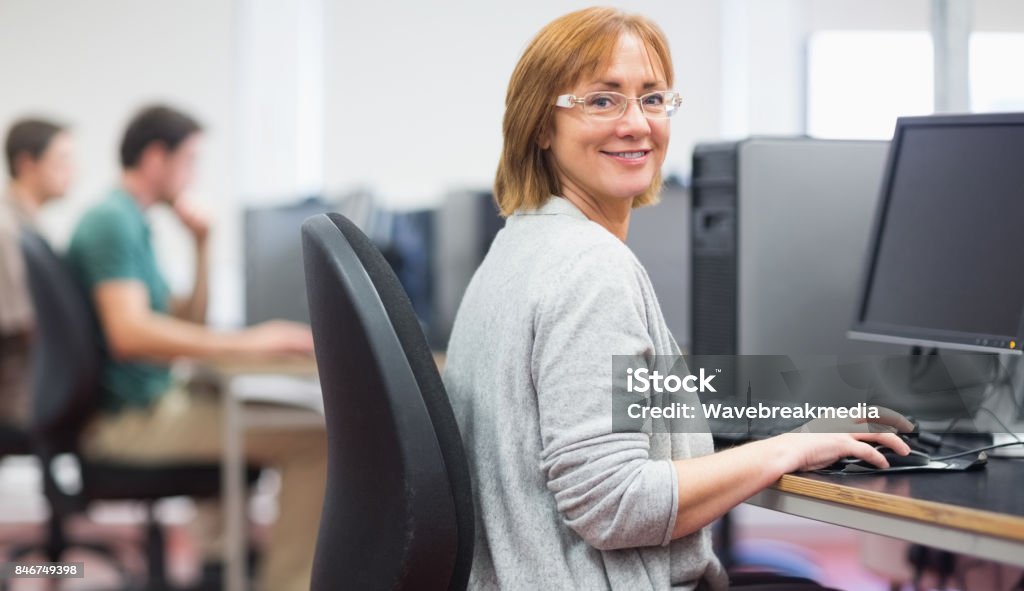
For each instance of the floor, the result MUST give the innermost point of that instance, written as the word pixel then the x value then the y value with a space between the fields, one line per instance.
pixel 23 510
pixel 832 555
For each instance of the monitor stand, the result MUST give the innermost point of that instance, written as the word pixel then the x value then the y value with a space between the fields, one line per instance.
pixel 1004 403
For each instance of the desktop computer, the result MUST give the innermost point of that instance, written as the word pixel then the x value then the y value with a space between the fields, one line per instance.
pixel 944 269
pixel 275 286
pixel 779 229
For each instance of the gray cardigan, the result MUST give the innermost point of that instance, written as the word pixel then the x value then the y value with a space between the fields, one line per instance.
pixel 561 501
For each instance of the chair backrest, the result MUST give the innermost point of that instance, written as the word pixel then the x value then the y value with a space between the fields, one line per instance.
pixel 66 349
pixel 398 510
pixel 14 441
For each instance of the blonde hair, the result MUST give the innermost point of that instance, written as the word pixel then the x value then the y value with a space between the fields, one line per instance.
pixel 565 50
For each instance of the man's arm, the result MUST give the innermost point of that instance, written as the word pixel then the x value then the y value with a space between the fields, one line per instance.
pixel 134 331
pixel 193 308
pixel 197 222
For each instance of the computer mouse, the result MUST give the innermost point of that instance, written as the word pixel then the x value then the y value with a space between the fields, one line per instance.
pixel 914 458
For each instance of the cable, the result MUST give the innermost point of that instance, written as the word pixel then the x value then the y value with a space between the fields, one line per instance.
pixel 1018 441
pixel 1006 378
pixel 1002 424
pixel 832 471
pixel 965 450
pixel 976 450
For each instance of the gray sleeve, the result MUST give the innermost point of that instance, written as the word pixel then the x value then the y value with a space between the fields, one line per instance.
pixel 606 487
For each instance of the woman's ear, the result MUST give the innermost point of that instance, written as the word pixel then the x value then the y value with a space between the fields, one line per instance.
pixel 544 139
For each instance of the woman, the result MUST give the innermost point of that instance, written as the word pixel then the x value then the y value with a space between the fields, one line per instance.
pixel 562 501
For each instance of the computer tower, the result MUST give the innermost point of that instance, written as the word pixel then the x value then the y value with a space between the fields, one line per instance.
pixel 779 232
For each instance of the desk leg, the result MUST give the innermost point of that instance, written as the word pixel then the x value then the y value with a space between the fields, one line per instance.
pixel 233 495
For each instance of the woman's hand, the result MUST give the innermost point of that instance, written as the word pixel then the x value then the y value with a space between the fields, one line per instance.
pixel 711 485
pixel 812 451
pixel 827 440
pixel 888 421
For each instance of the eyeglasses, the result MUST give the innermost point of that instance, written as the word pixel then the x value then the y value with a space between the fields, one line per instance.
pixel 607 105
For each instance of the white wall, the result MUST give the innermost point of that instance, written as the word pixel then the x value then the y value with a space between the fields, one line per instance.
pixel 441 69
pixel 739 63
pixel 762 67
pixel 764 52
pixel 287 89
pixel 92 64
pixel 999 15
pixel 279 115
pixel 869 14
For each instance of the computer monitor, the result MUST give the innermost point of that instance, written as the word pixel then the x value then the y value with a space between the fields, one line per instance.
pixel 945 263
pixel 275 285
pixel 466 223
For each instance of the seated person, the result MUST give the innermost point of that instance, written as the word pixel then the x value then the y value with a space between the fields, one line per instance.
pixel 563 501
pixel 146 416
pixel 39 159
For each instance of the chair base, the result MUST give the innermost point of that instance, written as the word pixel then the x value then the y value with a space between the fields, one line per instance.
pixel 57 544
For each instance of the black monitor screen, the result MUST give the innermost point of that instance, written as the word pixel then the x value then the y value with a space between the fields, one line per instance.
pixel 946 265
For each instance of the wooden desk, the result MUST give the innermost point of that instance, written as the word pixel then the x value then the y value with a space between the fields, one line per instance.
pixel 298 365
pixel 978 513
pixel 293 366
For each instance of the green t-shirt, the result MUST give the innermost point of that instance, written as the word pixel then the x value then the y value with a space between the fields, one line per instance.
pixel 112 242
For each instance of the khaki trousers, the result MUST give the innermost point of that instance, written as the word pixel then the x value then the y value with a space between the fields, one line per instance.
pixel 187 427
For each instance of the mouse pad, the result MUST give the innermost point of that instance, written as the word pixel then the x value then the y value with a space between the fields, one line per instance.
pixel 960 464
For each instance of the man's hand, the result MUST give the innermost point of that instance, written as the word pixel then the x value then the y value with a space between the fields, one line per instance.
pixel 278 337
pixel 195 218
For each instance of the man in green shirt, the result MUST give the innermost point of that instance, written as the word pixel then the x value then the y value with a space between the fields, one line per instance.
pixel 146 416
pixel 111 246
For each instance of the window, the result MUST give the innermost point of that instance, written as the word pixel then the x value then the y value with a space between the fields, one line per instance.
pixel 859 82
pixel 995 63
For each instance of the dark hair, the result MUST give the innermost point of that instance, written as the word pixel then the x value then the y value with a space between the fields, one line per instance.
pixel 31 136
pixel 156 123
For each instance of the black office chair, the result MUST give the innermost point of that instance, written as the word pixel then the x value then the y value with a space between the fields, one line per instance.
pixel 65 395
pixel 398 511
pixel 14 441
